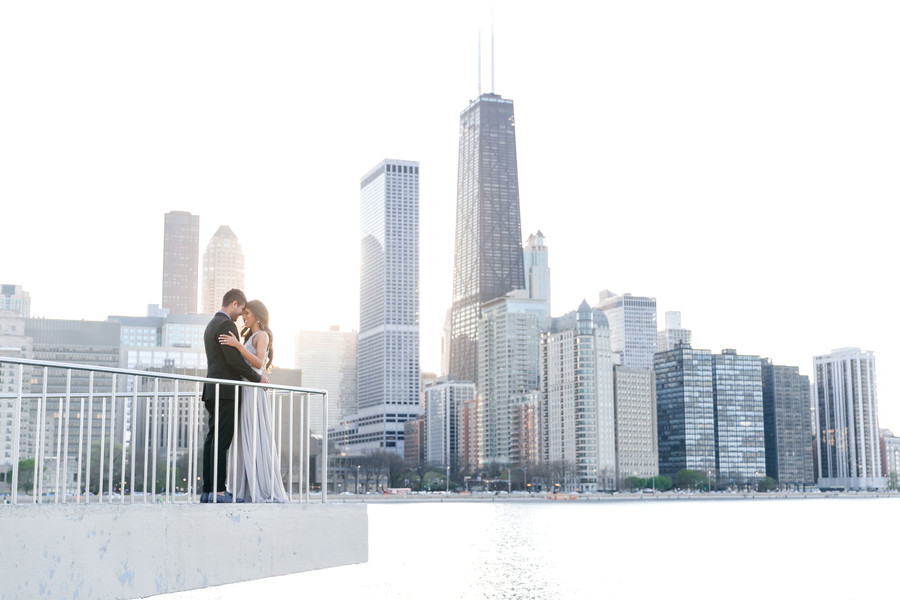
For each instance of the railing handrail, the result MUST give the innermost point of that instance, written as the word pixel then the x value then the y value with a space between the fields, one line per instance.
pixel 193 425
pixel 158 375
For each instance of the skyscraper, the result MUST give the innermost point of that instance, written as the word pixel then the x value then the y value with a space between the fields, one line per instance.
pixel 789 442
pixel 740 432
pixel 685 411
pixel 442 401
pixel 14 298
pixel 328 360
pixel 509 337
pixel 537 269
pixel 488 250
pixel 577 400
pixel 673 335
pixel 223 268
pixel 637 452
pixel 181 250
pixel 847 434
pixel 389 375
pixel 632 328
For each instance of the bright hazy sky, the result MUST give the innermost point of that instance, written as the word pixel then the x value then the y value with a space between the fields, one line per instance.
pixel 737 161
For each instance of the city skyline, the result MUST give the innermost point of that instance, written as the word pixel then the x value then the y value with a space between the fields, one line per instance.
pixel 754 143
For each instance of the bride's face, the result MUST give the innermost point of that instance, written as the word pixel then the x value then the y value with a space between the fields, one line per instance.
pixel 249 318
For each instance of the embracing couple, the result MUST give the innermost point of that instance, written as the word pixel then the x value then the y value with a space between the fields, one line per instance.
pixel 228 358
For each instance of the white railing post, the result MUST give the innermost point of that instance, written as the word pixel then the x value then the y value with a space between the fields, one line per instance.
pixel 90 422
pixel 291 447
pixel 17 424
pixel 38 484
pixel 112 437
pixel 324 448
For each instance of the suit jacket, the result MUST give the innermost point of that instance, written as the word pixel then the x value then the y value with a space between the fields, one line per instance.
pixel 223 362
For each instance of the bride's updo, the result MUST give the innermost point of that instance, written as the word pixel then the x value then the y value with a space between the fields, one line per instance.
pixel 261 313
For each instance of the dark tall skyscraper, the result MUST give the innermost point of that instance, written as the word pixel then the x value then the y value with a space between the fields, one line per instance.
pixel 488 260
pixel 789 439
pixel 685 410
pixel 181 251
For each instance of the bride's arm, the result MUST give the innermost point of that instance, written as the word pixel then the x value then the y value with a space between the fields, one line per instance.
pixel 262 347
pixel 230 340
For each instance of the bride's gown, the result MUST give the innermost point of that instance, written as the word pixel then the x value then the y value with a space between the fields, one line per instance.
pixel 265 484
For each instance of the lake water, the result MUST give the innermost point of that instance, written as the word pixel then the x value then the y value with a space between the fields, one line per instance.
pixel 780 548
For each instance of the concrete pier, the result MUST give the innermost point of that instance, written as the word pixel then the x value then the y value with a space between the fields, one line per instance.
pixel 135 550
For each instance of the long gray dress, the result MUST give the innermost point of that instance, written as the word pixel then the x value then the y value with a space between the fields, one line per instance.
pixel 264 483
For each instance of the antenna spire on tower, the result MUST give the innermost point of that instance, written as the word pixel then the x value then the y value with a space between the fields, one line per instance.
pixel 492 50
pixel 479 62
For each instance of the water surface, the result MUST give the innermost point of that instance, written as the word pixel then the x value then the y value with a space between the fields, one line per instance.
pixel 780 548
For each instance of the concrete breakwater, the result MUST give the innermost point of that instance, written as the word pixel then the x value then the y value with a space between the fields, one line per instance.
pixel 136 550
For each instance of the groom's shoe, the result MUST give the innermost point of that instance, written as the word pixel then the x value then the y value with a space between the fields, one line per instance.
pixel 226 498
pixel 204 498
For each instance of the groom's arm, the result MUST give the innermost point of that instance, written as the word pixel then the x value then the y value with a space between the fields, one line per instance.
pixel 233 355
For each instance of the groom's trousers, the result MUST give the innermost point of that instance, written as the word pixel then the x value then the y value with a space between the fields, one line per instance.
pixel 226 433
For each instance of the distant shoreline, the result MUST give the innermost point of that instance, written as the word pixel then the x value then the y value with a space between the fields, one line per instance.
pixel 616 497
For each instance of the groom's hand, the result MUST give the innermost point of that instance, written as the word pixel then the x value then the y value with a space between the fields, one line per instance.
pixel 263 379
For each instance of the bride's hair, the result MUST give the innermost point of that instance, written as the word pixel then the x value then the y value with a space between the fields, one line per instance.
pixel 261 313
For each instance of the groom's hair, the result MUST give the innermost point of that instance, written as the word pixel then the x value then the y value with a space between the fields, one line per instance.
pixel 232 295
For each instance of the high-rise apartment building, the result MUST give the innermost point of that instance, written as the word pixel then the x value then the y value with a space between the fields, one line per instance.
pixel 685 410
pixel 15 435
pixel 181 250
pixel 637 453
pixel 740 431
pixel 488 249
pixel 788 426
pixel 328 360
pixel 16 300
pixel 223 268
pixel 578 408
pixel 673 335
pixel 537 269
pixel 414 442
pixel 891 457
pixel 389 374
pixel 847 433
pixel 509 335
pixel 632 328
pixel 442 401
pixel 469 438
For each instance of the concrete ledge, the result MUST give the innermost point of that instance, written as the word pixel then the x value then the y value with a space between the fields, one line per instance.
pixel 130 551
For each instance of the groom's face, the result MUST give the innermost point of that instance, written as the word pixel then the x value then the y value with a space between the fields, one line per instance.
pixel 235 310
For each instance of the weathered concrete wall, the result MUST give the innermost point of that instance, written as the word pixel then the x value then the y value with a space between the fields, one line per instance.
pixel 129 551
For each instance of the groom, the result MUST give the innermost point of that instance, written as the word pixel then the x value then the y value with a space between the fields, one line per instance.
pixel 222 362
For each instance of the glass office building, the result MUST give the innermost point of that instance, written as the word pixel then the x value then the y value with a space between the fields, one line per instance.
pixel 685 411
pixel 740 433
pixel 488 259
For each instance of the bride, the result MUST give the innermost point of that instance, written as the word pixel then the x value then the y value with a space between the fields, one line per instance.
pixel 259 481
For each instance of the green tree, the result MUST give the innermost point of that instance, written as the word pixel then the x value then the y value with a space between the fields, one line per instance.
pixel 690 480
pixel 634 483
pixel 101 481
pixel 659 482
pixel 26 475
pixel 766 484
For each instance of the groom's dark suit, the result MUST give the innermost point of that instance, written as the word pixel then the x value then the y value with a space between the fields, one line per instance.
pixel 222 362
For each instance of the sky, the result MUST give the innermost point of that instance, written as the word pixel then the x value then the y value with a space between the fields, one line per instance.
pixel 737 161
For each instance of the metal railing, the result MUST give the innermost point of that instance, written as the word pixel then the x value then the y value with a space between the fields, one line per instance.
pixel 131 426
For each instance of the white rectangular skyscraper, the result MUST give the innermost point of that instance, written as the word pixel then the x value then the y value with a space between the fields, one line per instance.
pixel 389 378
pixel 632 328
pixel 847 434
